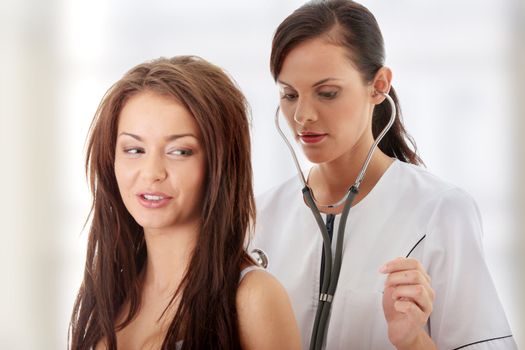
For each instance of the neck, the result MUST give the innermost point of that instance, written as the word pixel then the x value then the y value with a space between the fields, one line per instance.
pixel 330 181
pixel 169 253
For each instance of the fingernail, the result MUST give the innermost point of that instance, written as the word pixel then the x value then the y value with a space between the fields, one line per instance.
pixel 383 269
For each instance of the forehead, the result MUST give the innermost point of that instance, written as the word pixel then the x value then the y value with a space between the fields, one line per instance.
pixel 149 113
pixel 316 59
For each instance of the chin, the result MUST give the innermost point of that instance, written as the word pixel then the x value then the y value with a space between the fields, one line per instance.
pixel 317 157
pixel 151 222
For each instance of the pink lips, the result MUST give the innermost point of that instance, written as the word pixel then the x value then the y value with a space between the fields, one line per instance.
pixel 311 138
pixel 153 200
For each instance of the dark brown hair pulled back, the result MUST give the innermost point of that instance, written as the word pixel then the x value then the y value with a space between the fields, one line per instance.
pixel 352 26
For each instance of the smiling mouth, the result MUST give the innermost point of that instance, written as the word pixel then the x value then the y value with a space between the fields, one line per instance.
pixel 151 197
pixel 154 201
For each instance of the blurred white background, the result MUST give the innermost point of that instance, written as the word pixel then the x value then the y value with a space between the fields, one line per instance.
pixel 458 68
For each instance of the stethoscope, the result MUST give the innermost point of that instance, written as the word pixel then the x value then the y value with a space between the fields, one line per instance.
pixel 331 273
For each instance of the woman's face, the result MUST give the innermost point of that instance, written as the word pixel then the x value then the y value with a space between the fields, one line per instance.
pixel 327 104
pixel 159 162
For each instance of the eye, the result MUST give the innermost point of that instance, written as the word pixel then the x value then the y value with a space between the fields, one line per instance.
pixel 181 152
pixel 133 150
pixel 289 96
pixel 328 94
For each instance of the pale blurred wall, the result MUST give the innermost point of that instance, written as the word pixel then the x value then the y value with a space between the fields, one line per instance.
pixel 456 67
pixel 31 253
pixel 518 62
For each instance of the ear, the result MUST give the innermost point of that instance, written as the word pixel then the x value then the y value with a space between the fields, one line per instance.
pixel 381 83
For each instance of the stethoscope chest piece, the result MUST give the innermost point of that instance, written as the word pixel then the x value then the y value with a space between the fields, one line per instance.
pixel 260 257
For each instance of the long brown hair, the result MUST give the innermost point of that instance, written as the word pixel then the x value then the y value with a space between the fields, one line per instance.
pixel 206 316
pixel 352 26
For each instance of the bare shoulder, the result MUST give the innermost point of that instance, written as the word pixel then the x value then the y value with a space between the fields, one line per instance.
pixel 258 284
pixel 266 319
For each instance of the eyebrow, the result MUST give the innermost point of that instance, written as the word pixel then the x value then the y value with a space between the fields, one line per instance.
pixel 167 138
pixel 322 81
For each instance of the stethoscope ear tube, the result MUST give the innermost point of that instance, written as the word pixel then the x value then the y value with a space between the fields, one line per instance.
pixel 331 275
pixel 289 145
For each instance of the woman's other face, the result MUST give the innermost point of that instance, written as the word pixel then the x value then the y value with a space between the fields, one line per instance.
pixel 327 104
pixel 159 162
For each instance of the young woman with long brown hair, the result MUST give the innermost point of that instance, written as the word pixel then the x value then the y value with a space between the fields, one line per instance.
pixel 168 160
pixel 336 95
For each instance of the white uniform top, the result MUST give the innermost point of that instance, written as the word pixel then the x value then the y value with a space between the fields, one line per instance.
pixel 409 212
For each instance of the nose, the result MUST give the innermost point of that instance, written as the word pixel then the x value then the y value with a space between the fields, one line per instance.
pixel 154 169
pixel 304 112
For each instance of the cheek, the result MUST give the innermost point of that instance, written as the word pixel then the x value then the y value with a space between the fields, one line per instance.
pixel 188 179
pixel 349 116
pixel 196 181
pixel 123 174
pixel 196 189
pixel 287 108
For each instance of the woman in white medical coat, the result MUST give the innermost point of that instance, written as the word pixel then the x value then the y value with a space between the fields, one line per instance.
pixel 328 61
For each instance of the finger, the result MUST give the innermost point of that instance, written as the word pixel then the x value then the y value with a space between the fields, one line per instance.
pixel 417 294
pixel 410 278
pixel 407 277
pixel 400 264
pixel 403 264
pixel 412 311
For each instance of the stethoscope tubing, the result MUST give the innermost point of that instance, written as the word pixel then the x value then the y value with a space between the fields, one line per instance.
pixel 328 287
